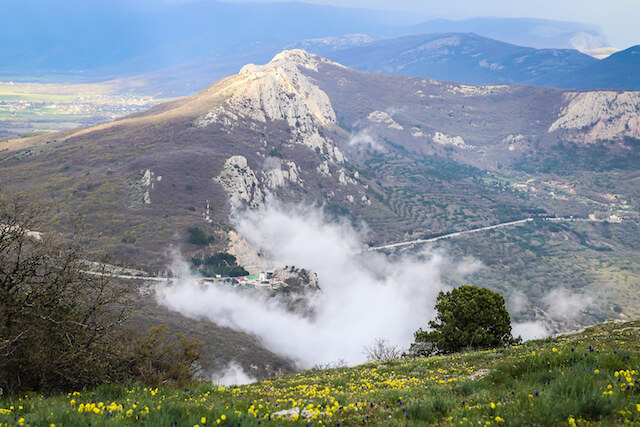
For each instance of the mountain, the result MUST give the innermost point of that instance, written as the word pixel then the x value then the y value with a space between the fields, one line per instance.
pixel 413 158
pixel 174 48
pixel 467 58
pixel 618 71
pixel 119 37
pixel 538 33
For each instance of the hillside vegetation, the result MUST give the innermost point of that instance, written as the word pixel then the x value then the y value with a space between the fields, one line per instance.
pixel 589 377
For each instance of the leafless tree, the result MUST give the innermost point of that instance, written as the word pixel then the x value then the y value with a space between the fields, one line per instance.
pixel 381 351
pixel 61 327
pixel 54 317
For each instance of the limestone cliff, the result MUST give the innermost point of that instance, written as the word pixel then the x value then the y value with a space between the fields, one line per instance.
pixel 280 90
pixel 602 115
pixel 241 184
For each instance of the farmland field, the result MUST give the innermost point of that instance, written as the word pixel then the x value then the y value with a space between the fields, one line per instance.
pixel 26 108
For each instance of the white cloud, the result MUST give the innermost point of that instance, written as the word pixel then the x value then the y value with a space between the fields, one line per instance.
pixel 364 139
pixel 562 303
pixel 529 330
pixel 233 374
pixel 364 297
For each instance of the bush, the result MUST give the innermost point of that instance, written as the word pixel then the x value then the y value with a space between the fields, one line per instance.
pixel 381 351
pixel 159 358
pixel 467 317
pixel 198 237
pixel 61 327
pixel 221 263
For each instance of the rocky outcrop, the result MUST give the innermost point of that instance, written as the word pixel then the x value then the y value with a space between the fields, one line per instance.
pixel 477 90
pixel 385 119
pixel 323 169
pixel 444 139
pixel 285 172
pixel 514 141
pixel 299 279
pixel 280 90
pixel 241 184
pixel 144 186
pixel 219 114
pixel 417 132
pixel 604 115
pixel 345 179
pixel 246 255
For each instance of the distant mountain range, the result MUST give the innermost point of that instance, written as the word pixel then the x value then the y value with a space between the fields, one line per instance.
pixel 538 33
pixel 470 58
pixel 179 47
pixel 619 71
pixel 462 57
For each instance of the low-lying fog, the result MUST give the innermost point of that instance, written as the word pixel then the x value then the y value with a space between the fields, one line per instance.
pixel 364 296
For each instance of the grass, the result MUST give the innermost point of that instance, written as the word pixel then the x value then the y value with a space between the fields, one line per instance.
pixel 591 378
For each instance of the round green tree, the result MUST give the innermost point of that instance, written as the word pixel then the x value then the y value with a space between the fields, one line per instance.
pixel 467 317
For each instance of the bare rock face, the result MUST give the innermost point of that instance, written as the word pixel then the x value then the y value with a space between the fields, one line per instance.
pixel 241 184
pixel 323 169
pixel 385 119
pixel 246 255
pixel 144 187
pixel 286 171
pixel 603 115
pixel 220 115
pixel 476 90
pixel 279 90
pixel 298 279
pixel 456 141
pixel 345 179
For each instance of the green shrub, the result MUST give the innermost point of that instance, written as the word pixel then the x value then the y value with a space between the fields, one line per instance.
pixel 467 317
pixel 220 263
pixel 198 237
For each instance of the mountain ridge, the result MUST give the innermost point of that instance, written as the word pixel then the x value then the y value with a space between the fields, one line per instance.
pixel 473 59
pixel 411 157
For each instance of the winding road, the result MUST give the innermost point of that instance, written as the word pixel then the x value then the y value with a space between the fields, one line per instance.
pixel 389 246
pixel 475 230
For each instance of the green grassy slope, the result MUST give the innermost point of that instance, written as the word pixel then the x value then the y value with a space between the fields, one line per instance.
pixel 589 378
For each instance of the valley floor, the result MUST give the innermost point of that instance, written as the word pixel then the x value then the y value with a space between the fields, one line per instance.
pixel 588 378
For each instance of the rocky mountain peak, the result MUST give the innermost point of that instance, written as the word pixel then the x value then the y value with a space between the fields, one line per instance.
pixel 290 58
pixel 280 90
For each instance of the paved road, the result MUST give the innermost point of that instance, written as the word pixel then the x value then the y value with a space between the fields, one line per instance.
pixel 391 245
pixel 475 230
pixel 128 276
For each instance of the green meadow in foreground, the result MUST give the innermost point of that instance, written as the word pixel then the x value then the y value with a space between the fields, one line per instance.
pixel 581 379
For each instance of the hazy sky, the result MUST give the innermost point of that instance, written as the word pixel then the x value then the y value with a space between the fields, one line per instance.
pixel 618 18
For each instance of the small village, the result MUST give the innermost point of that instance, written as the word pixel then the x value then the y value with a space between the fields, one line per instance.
pixel 264 280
